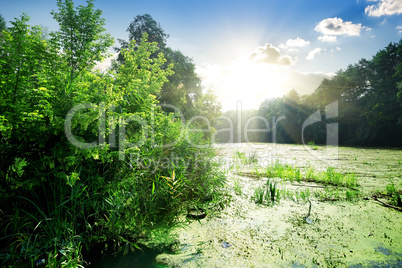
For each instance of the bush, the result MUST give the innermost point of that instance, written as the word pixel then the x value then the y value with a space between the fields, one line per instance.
pixel 89 158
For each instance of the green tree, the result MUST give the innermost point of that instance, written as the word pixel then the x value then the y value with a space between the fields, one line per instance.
pixel 81 37
pixel 24 101
pixel 3 25
pixel 140 25
pixel 57 198
pixel 146 24
pixel 184 89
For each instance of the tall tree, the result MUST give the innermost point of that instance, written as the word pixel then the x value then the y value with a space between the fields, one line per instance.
pixel 183 90
pixel 146 24
pixel 2 24
pixel 140 25
pixel 81 37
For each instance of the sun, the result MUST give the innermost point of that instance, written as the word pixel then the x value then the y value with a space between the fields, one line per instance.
pixel 252 82
pixel 246 81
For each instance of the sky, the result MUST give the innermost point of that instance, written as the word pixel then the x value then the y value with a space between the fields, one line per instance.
pixel 252 50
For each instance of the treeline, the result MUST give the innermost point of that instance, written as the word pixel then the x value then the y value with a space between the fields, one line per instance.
pixel 89 158
pixel 365 100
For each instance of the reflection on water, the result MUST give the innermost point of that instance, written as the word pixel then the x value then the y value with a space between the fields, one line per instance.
pixel 137 259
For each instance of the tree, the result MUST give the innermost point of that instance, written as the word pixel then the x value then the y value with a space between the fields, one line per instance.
pixel 62 194
pixel 184 89
pixel 81 37
pixel 2 24
pixel 24 102
pixel 146 24
pixel 140 25
pixel 184 86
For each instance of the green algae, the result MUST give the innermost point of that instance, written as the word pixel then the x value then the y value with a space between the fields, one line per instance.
pixel 342 233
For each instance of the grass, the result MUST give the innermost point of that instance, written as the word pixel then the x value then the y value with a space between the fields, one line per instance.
pixel 268 194
pixel 76 215
pixel 329 177
pixel 245 159
pixel 344 186
pixel 238 187
pixel 394 194
pixel 312 145
pixel 259 193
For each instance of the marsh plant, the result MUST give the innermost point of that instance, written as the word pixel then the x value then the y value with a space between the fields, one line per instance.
pixel 329 177
pixel 272 193
pixel 269 193
pixel 245 159
pixel 312 145
pixel 238 187
pixel 259 194
pixel 65 188
pixel 394 194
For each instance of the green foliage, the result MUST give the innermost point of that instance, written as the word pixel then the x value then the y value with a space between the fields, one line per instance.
pixel 394 194
pixel 312 145
pixel 137 166
pixel 270 193
pixel 369 105
pixel 244 159
pixel 330 177
pixel 183 89
pixel 2 24
pixel 238 187
pixel 80 37
pixel 259 194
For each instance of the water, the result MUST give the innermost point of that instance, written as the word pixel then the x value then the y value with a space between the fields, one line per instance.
pixel 139 259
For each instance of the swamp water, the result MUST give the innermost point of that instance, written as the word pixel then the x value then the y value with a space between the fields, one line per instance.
pixel 339 231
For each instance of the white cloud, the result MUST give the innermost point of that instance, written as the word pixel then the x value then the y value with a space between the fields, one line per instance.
pixel 271 55
pixel 282 46
pixel 368 29
pixel 336 26
pixel 399 28
pixel 106 63
pixel 337 49
pixel 327 38
pixel 298 42
pixel 384 7
pixel 312 53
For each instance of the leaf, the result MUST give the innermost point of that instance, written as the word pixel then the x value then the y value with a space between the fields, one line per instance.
pixel 136 246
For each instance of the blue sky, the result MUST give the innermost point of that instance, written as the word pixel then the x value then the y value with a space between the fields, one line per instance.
pixel 253 50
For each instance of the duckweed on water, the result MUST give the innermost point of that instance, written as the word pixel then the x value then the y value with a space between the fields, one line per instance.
pixel 347 229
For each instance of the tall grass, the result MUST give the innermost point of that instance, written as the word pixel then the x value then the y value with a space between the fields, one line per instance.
pixel 69 215
pixel 329 177
pixel 245 159
pixel 270 193
pixel 238 187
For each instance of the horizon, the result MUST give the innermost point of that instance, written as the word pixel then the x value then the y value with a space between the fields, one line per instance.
pixel 252 51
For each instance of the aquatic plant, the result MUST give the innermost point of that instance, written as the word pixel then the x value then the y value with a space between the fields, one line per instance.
pixel 259 193
pixel 329 177
pixel 61 195
pixel 395 196
pixel 272 193
pixel 312 145
pixel 268 193
pixel 244 159
pixel 238 187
